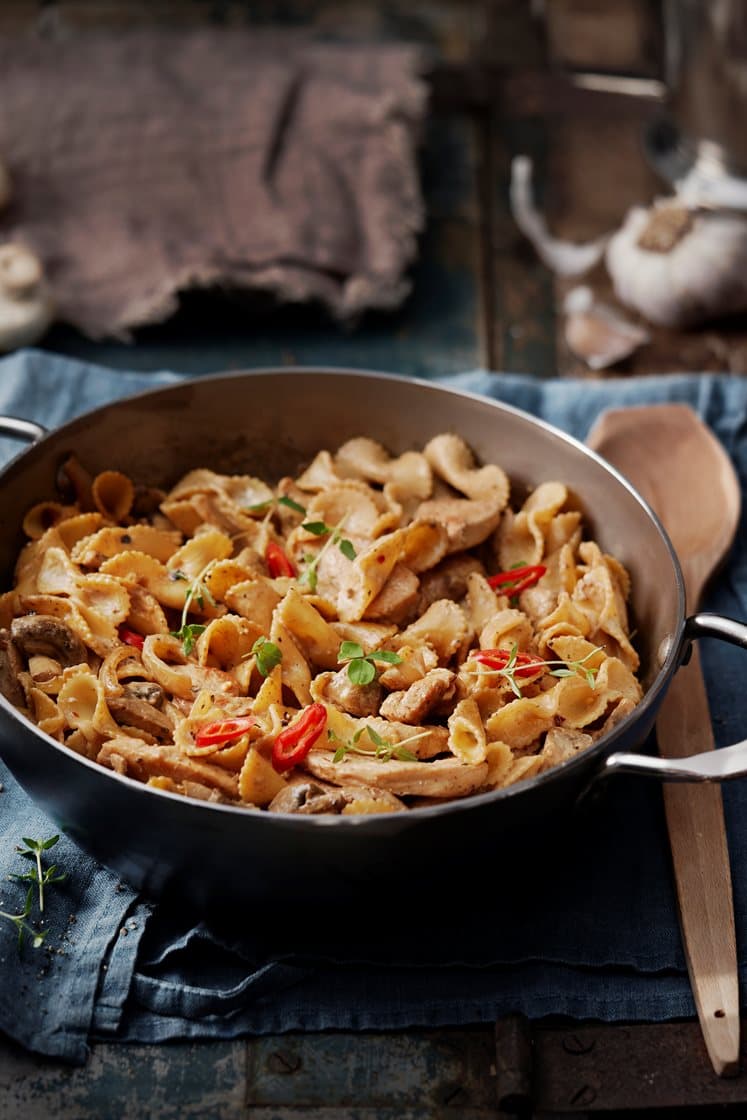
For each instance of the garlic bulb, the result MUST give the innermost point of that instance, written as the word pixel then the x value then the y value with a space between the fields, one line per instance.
pixel 25 307
pixel 5 186
pixel 678 266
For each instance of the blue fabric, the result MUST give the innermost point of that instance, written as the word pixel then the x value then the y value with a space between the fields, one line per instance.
pixel 597 939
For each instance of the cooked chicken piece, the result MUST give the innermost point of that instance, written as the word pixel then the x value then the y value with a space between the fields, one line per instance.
pixel 356 699
pixel 448 580
pixel 416 661
pixel 413 704
pixel 397 598
pixel 142 760
pixel 41 634
pixel 446 777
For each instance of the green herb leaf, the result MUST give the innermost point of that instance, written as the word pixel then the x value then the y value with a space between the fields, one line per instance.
pixel 188 635
pixel 347 550
pixel 289 502
pixel 361 671
pixel 318 528
pixel 403 755
pixel 268 655
pixel 348 650
pixel 259 507
pixel 374 736
pixel 387 655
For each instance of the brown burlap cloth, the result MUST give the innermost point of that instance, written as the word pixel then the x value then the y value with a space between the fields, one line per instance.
pixel 154 161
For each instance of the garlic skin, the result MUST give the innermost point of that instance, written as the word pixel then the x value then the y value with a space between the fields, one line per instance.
pixel 26 310
pixel 598 334
pixel 679 267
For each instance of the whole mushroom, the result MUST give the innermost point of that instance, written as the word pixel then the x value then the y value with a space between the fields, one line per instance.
pixel 26 309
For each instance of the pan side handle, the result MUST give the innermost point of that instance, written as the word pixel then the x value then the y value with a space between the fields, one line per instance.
pixel 712 765
pixel 26 430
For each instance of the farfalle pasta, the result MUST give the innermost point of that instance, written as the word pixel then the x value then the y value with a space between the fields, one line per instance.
pixel 375 634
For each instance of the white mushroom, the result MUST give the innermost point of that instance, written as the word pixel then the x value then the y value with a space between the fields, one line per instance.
pixel 25 306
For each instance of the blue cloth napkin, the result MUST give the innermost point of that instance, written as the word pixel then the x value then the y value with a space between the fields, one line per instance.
pixel 597 937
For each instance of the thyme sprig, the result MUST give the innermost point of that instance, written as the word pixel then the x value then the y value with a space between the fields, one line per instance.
pixel 272 503
pixel 39 877
pixel 361 665
pixel 334 536
pixel 198 592
pixel 382 750
pixel 564 669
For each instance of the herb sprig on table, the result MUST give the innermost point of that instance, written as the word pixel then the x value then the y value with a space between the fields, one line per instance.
pixel 39 877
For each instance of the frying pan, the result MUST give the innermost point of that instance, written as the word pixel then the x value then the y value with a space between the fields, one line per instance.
pixel 269 423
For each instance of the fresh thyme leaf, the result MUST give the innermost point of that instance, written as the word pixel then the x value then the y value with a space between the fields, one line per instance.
pixel 318 528
pixel 347 550
pixel 387 655
pixel 268 655
pixel 259 507
pixel 361 671
pixel 348 650
pixel 374 736
pixel 403 755
pixel 188 635
pixel 291 504
pixel 38 877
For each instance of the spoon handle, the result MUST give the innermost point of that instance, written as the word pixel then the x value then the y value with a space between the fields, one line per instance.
pixel 695 818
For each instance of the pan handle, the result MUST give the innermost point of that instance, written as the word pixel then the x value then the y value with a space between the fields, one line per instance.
pixel 712 765
pixel 21 429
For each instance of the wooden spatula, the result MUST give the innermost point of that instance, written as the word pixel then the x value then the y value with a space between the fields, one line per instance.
pixel 683 472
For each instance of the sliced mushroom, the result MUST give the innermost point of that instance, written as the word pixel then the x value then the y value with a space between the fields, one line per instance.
pixel 131 712
pixel 413 704
pixel 147 691
pixel 47 636
pixel 25 307
pixel 11 665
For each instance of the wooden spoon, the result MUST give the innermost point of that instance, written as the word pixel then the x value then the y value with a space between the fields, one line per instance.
pixel 683 472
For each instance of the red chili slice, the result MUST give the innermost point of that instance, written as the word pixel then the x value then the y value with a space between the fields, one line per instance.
pixel 278 564
pixel 131 637
pixel 292 745
pixel 516 580
pixel 526 664
pixel 223 730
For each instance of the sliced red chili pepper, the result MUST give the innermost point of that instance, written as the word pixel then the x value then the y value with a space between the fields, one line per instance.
pixel 516 580
pixel 278 564
pixel 525 665
pixel 292 745
pixel 131 637
pixel 223 730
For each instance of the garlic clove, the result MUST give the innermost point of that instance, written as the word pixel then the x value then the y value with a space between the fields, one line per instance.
pixel 596 333
pixel 6 188
pixel 26 310
pixel 679 267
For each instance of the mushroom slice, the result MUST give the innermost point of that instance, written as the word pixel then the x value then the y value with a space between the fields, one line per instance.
pixel 467 522
pixel 140 714
pixel 413 704
pixel 446 777
pixel 307 798
pixel 452 460
pixel 44 635
pixel 10 667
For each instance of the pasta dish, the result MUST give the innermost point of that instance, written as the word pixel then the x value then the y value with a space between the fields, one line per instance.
pixel 373 635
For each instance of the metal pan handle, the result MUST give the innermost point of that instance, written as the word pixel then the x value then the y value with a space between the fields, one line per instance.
pixel 712 765
pixel 21 429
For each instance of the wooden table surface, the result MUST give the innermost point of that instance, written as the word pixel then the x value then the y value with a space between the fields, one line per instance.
pixel 503 82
